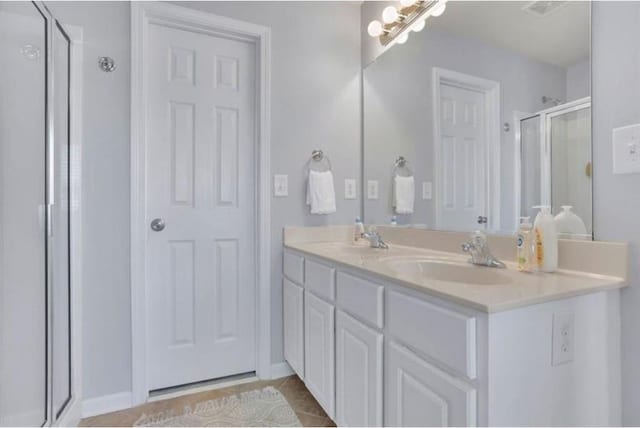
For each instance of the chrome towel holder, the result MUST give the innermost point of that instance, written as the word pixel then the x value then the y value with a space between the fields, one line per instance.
pixel 319 160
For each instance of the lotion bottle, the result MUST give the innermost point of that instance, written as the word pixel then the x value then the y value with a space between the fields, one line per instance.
pixel 546 239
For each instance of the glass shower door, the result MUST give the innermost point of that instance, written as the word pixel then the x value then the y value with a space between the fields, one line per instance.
pixel 569 135
pixel 23 255
pixel 531 166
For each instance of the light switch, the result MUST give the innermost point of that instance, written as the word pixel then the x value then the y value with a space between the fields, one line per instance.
pixel 427 190
pixel 372 189
pixel 626 150
pixel 280 185
pixel 349 188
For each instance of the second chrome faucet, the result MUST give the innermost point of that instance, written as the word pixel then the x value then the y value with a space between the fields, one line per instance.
pixel 481 255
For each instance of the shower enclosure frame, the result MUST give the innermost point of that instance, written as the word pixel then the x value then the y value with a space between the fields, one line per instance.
pixel 545 118
pixel 70 412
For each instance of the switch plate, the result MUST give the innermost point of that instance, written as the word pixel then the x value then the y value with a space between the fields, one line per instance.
pixel 563 329
pixel 349 188
pixel 280 185
pixel 427 190
pixel 372 189
pixel 626 150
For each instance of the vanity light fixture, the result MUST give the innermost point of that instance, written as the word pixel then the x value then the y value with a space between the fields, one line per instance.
pixel 398 23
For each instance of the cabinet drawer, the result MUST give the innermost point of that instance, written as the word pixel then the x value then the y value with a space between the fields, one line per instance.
pixel 294 267
pixel 320 279
pixel 360 297
pixel 447 336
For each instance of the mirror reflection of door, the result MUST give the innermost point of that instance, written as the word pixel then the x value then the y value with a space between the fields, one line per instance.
pixel 462 179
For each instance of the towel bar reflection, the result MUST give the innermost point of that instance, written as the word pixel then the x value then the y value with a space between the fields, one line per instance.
pixel 401 167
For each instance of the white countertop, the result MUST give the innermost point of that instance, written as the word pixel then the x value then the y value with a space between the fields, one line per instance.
pixel 516 289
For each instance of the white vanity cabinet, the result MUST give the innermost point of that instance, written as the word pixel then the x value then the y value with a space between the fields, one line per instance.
pixel 374 351
pixel 361 370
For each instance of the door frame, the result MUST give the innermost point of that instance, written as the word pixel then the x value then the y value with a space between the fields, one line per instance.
pixel 491 91
pixel 144 14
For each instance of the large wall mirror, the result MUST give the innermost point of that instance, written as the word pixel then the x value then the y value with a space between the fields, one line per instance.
pixel 486 112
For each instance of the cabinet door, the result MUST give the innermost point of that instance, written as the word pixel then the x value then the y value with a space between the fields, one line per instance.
pixel 358 373
pixel 419 394
pixel 293 307
pixel 319 356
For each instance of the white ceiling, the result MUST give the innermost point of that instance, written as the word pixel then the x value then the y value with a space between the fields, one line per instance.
pixel 561 37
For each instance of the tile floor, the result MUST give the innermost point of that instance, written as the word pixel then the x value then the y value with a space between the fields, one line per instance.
pixel 306 407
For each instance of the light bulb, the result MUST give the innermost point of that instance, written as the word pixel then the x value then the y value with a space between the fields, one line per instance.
pixel 375 28
pixel 418 26
pixel 407 3
pixel 402 38
pixel 438 9
pixel 389 14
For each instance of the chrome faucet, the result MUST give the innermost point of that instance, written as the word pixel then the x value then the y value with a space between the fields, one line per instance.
pixel 374 238
pixel 478 248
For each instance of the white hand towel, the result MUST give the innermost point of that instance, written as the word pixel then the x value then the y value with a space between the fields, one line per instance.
pixel 403 194
pixel 321 195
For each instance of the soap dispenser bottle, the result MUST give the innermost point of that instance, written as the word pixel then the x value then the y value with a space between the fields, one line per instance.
pixel 526 248
pixel 546 240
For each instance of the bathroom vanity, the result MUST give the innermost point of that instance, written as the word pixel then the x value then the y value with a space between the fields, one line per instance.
pixel 415 335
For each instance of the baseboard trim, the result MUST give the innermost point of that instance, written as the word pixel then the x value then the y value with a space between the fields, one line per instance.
pixel 106 404
pixel 279 370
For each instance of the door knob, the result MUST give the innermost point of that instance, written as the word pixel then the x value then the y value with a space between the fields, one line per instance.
pixel 482 220
pixel 157 224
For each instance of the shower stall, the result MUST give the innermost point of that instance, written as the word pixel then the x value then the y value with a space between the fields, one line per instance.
pixel 36 359
pixel 555 161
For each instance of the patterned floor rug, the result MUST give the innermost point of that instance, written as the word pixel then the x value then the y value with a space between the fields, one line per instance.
pixel 262 407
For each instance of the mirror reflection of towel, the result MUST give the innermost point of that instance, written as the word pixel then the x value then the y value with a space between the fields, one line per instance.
pixel 404 190
pixel 321 195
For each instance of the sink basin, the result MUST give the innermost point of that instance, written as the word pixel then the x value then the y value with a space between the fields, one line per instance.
pixel 450 271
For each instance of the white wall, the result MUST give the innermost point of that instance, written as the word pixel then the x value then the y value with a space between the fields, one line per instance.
pixel 616 102
pixel 578 80
pixel 315 104
pixel 398 109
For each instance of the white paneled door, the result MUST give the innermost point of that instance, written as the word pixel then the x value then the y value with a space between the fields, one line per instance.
pixel 462 181
pixel 200 207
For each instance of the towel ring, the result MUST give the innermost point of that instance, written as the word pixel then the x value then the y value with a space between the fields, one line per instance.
pixel 401 168
pixel 319 162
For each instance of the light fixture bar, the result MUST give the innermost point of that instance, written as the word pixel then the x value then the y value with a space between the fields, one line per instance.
pixel 411 15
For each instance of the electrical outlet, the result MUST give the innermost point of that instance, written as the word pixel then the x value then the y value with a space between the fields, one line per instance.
pixel 349 188
pixel 563 334
pixel 427 190
pixel 372 189
pixel 280 185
